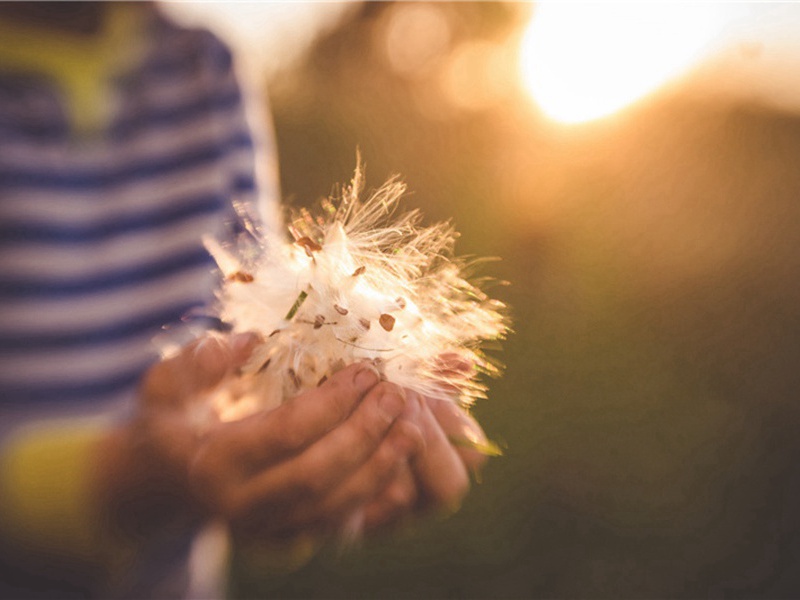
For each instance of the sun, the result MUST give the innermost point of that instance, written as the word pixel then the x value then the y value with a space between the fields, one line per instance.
pixel 583 61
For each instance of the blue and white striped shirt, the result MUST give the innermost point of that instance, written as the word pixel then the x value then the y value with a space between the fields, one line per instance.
pixel 100 236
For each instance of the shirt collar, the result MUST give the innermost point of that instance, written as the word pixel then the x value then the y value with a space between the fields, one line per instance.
pixel 83 68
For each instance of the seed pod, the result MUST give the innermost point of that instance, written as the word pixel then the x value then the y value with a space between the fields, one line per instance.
pixel 263 367
pixel 319 320
pixel 364 323
pixel 341 310
pixel 359 271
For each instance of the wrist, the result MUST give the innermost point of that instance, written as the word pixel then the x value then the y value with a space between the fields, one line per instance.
pixel 141 484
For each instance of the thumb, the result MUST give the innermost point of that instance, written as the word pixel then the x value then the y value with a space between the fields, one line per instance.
pixel 197 368
pixel 207 360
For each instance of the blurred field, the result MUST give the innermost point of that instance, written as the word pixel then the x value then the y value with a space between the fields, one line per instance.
pixel 649 408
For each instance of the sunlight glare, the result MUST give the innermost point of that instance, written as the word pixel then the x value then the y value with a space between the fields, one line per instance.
pixel 584 61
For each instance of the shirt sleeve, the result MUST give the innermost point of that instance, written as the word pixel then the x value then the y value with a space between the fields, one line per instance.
pixel 45 489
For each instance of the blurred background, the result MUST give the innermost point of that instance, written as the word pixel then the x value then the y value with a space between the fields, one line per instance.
pixel 636 168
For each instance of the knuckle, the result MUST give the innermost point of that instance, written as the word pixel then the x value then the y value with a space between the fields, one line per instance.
pixel 289 435
pixel 340 402
pixel 386 387
pixel 369 428
pixel 402 496
pixel 386 460
pixel 338 395
pixel 291 439
pixel 408 438
pixel 307 485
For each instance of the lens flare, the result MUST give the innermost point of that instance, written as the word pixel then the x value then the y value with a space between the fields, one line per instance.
pixel 584 61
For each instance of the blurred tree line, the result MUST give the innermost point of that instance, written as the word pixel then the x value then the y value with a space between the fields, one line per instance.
pixel 649 407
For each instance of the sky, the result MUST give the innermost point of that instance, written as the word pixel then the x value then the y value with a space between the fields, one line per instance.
pixel 746 50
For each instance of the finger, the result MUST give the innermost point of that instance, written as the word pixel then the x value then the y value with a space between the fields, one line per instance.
pixel 460 426
pixel 395 503
pixel 287 430
pixel 212 357
pixel 402 443
pixel 308 478
pixel 197 368
pixel 442 475
pixel 232 452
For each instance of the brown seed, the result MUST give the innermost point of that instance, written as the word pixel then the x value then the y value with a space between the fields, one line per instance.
pixel 359 271
pixel 295 379
pixel 263 367
pixel 401 302
pixel 364 323
pixel 276 332
pixel 386 321
pixel 309 245
pixel 319 320
pixel 340 310
pixel 323 380
pixel 240 276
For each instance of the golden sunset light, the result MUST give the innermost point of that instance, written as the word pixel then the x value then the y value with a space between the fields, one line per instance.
pixel 333 299
pixel 584 61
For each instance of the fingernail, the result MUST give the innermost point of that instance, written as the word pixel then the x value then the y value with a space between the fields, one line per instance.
pixel 391 405
pixel 366 378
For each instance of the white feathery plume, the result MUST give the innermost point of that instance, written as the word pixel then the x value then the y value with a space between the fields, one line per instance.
pixel 358 281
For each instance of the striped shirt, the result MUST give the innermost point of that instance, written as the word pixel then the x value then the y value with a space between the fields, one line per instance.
pixel 100 235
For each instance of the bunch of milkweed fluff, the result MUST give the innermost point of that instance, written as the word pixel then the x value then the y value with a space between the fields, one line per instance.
pixel 358 280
